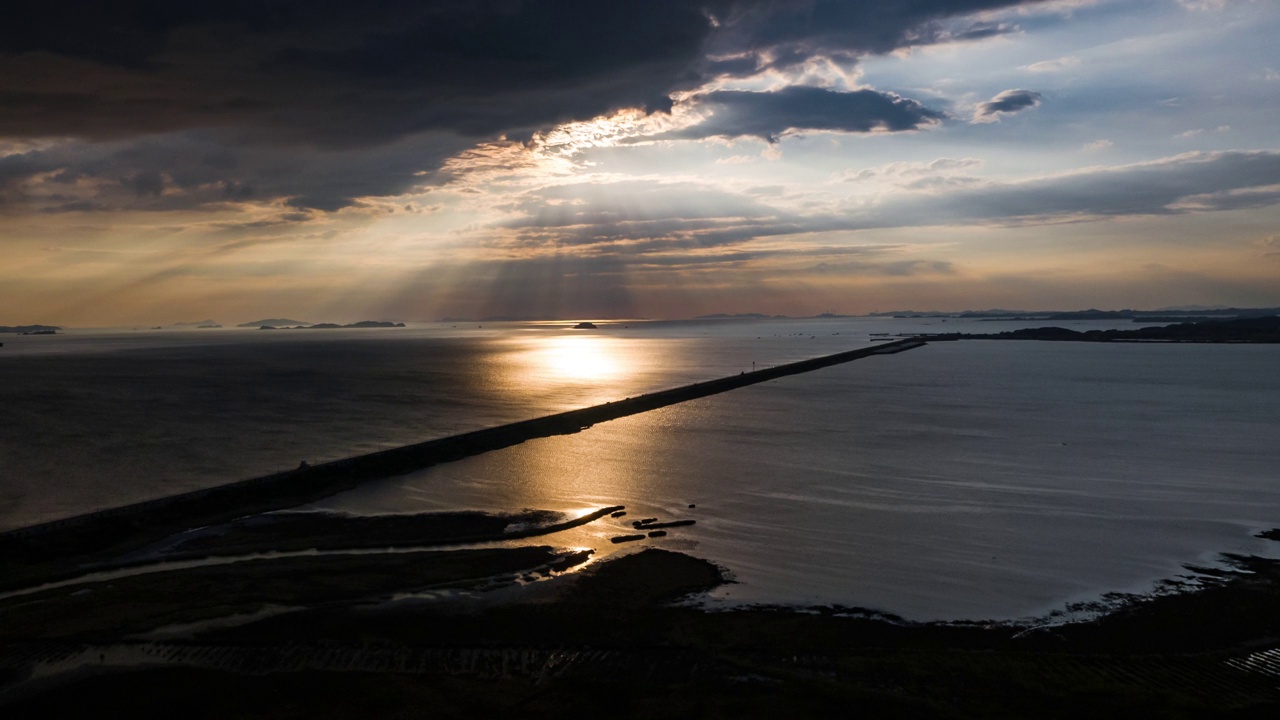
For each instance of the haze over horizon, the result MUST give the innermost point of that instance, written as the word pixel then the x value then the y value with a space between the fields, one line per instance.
pixel 251 159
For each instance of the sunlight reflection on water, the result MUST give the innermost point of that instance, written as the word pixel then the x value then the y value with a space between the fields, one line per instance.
pixel 579 357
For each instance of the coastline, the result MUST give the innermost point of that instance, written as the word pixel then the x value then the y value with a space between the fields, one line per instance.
pixel 1201 652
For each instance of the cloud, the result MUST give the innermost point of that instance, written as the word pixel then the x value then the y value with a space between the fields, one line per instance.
pixel 359 73
pixel 205 169
pixel 770 115
pixel 1052 66
pixel 1194 182
pixel 321 104
pixel 815 27
pixel 1203 5
pixel 1099 145
pixel 896 268
pixel 901 172
pixel 1188 134
pixel 1006 103
pixel 1231 199
pixel 643 217
pixel 337 74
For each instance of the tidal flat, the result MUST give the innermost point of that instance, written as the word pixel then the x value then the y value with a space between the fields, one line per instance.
pixel 544 632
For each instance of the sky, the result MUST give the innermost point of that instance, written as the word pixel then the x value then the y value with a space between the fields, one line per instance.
pixel 323 160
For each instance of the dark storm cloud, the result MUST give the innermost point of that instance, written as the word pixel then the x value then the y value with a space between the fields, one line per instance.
pixel 334 84
pixel 767 115
pixel 821 26
pixel 337 73
pixel 181 171
pixel 1009 101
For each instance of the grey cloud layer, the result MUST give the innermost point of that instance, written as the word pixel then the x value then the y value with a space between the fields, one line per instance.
pixel 1216 181
pixel 637 218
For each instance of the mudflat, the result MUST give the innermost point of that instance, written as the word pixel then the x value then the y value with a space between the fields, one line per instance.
pixel 619 634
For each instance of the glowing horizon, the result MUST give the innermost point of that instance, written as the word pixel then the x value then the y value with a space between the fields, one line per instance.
pixel 1027 155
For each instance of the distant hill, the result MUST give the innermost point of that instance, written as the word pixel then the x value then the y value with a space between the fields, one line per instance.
pixel 29 328
pixel 335 326
pixel 274 322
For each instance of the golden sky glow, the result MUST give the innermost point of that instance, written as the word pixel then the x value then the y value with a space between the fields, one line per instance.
pixel 1040 155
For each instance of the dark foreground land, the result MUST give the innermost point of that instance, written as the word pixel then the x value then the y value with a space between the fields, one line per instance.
pixel 529 631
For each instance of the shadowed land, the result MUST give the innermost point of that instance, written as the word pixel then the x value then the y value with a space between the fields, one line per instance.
pixel 611 640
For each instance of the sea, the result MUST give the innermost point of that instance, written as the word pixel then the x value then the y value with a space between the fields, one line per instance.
pixel 972 480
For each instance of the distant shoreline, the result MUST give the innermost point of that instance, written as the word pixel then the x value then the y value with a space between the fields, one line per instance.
pixel 1237 330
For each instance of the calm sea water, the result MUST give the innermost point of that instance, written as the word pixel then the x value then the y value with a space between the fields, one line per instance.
pixel 959 480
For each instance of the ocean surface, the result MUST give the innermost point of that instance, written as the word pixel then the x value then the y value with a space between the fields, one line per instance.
pixel 961 480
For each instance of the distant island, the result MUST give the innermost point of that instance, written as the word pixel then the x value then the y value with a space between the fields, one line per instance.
pixel 30 329
pixel 584 325
pixel 335 326
pixel 274 322
pixel 198 324
pixel 1235 330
